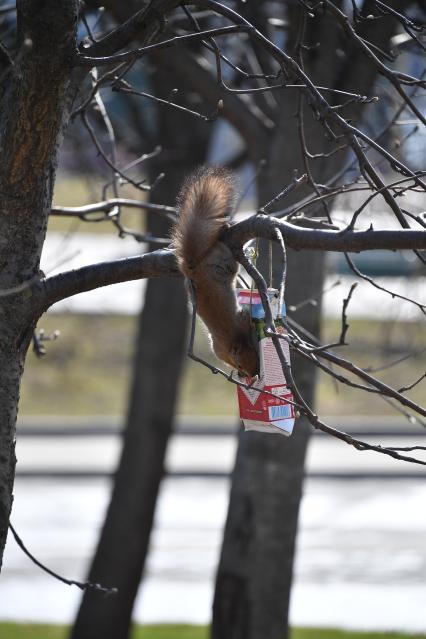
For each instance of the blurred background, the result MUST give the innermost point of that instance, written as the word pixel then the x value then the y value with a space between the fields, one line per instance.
pixel 362 523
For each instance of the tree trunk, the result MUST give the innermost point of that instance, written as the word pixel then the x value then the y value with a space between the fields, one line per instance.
pixel 255 572
pixel 161 344
pixel 253 583
pixel 33 105
pixel 123 546
pixel 10 377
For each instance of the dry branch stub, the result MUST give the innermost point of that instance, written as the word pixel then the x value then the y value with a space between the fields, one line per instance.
pixel 266 403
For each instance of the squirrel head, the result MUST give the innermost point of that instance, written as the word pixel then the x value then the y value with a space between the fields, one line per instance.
pixel 240 353
pixel 245 355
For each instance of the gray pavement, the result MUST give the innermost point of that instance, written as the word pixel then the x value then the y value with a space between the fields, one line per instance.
pixel 205 447
pixel 361 555
pixel 361 552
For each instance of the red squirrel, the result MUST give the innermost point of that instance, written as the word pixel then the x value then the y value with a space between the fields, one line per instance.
pixel 204 204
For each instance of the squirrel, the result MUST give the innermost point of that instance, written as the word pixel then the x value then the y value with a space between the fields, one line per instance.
pixel 204 205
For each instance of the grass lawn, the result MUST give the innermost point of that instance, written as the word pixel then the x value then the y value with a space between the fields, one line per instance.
pixel 38 631
pixel 87 370
pixel 41 631
pixel 79 190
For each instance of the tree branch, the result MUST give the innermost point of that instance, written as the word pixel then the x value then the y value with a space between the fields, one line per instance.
pixel 162 262
pixel 58 287
pixel 89 212
pixel 143 25
pixel 83 585
pixel 299 238
pixel 134 54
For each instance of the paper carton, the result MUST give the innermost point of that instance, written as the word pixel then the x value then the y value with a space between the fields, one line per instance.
pixel 270 411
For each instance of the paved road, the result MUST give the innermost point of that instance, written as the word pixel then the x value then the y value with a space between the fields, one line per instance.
pixel 205 447
pixel 361 560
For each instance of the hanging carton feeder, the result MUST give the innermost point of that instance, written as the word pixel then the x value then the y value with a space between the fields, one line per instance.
pixel 267 405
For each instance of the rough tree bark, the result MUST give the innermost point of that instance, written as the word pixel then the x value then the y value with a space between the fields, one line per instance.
pixel 255 572
pixel 33 103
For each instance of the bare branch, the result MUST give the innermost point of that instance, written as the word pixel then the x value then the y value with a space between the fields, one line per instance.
pixel 86 585
pixel 312 417
pixel 362 374
pixel 294 184
pixel 370 280
pixel 138 185
pixel 403 389
pixel 155 264
pixel 135 54
pixel 125 88
pixel 298 237
pixel 345 325
pixel 145 24
pixel 88 212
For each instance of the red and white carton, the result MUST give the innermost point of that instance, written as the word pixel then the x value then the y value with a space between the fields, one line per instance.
pixel 271 411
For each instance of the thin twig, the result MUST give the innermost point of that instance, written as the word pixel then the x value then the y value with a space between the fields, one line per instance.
pixel 403 389
pixel 86 585
pixel 294 184
pixel 370 280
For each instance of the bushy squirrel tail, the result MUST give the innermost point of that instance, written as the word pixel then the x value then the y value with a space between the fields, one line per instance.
pixel 204 205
